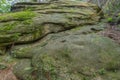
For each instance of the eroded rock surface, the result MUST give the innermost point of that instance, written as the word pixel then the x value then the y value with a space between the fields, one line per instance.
pixel 42 19
pixel 76 54
pixel 58 41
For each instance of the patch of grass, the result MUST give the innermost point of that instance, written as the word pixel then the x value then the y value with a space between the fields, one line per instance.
pixel 102 71
pixel 113 65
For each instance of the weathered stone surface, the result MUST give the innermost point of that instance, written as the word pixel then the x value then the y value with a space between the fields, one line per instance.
pixel 23 70
pixel 24 51
pixel 76 57
pixel 76 54
pixel 58 41
pixel 44 18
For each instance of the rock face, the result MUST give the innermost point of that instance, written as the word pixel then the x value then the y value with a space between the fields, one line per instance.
pixel 77 54
pixel 42 19
pixel 58 41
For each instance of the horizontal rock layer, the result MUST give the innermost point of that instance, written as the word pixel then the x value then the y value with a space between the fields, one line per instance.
pixel 40 19
pixel 58 40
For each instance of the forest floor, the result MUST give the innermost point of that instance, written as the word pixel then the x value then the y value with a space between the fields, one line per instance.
pixel 113 32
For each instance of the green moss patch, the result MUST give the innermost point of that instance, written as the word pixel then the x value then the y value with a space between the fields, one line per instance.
pixel 7 26
pixel 23 15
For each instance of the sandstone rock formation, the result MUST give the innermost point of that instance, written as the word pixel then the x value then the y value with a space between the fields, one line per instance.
pixel 57 41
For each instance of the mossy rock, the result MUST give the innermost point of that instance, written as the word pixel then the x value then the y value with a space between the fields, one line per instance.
pixel 69 48
pixel 24 51
pixel 77 54
pixel 23 15
pixel 77 57
pixel 44 18
pixel 23 69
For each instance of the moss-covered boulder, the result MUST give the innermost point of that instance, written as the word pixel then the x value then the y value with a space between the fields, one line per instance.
pixel 40 19
pixel 76 54
pixel 24 51
pixel 57 40
pixel 78 58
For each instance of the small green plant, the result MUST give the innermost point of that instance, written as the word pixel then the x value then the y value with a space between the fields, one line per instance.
pixel 86 78
pixel 102 71
pixel 110 19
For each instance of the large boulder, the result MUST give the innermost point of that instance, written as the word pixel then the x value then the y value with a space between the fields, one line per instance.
pixel 57 40
pixel 40 19
pixel 77 54
pixel 24 51
pixel 76 57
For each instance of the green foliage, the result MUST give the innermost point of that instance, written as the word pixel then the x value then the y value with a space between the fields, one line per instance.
pixel 2 66
pixel 86 78
pixel 102 71
pixel 110 19
pixel 4 6
pixel 113 6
